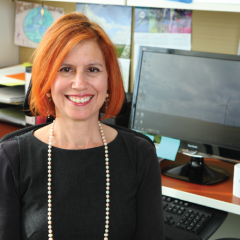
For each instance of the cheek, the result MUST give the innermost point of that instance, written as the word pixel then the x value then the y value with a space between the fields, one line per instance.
pixel 58 87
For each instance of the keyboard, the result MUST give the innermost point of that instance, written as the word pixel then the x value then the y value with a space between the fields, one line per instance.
pixel 188 221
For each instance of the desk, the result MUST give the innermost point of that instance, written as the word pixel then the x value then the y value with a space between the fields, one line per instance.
pixel 218 196
pixel 6 128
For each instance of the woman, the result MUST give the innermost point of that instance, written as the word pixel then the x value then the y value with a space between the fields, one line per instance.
pixel 78 178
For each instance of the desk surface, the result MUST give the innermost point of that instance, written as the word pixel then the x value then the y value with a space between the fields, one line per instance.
pixel 6 128
pixel 217 196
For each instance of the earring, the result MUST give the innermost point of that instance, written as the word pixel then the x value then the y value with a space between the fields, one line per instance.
pixel 49 96
pixel 49 99
pixel 106 100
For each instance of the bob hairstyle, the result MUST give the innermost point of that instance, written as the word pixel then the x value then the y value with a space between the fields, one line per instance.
pixel 58 40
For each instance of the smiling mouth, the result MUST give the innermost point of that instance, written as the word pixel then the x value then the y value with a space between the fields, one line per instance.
pixel 79 99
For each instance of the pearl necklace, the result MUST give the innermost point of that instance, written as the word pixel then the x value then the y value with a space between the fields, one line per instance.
pixel 50 231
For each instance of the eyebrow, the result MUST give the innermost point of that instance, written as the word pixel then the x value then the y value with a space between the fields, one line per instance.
pixel 90 64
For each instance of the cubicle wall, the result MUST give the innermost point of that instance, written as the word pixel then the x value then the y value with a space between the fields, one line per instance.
pixel 9 53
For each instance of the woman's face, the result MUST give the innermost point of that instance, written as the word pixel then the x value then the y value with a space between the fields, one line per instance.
pixel 80 86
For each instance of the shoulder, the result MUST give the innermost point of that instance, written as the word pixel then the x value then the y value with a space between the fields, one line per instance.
pixel 10 150
pixel 10 160
pixel 10 147
pixel 42 133
pixel 138 144
pixel 140 141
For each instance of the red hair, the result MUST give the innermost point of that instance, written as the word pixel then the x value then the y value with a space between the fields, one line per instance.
pixel 58 40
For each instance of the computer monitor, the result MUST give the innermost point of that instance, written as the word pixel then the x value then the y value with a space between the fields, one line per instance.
pixel 194 97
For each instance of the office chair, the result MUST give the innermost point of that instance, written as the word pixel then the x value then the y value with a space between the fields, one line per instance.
pixel 27 112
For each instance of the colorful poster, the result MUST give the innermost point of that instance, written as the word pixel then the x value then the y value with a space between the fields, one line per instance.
pixel 31 22
pixel 116 21
pixel 162 27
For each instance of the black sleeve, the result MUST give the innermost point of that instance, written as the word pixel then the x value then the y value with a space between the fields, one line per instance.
pixel 149 196
pixel 9 191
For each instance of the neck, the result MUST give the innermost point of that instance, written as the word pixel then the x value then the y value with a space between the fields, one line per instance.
pixel 76 134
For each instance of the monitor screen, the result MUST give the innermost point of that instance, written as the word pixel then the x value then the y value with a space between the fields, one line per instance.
pixel 191 96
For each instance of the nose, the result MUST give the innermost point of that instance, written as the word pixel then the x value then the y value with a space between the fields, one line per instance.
pixel 79 82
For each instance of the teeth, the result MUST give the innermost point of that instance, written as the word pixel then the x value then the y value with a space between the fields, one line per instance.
pixel 79 100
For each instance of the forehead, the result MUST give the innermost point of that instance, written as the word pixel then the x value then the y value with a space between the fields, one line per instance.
pixel 85 51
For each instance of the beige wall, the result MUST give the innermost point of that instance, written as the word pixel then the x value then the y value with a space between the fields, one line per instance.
pixel 216 32
pixel 9 53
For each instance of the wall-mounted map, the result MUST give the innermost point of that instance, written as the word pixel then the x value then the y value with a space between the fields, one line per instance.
pixel 31 22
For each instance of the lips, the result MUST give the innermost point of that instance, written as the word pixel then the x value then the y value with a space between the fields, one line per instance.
pixel 79 100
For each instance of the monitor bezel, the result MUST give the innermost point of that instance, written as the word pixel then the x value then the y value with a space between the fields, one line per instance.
pixel 203 149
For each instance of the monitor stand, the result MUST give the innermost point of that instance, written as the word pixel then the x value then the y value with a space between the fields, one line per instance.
pixel 196 171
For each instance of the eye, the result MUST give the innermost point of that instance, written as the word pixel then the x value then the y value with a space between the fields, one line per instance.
pixel 93 69
pixel 66 69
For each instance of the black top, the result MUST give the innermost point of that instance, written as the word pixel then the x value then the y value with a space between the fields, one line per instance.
pixel 78 191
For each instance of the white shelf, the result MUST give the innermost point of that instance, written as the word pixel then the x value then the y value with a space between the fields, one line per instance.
pixel 110 2
pixel 224 7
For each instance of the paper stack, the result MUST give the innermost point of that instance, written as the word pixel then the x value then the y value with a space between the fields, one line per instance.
pixel 12 95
